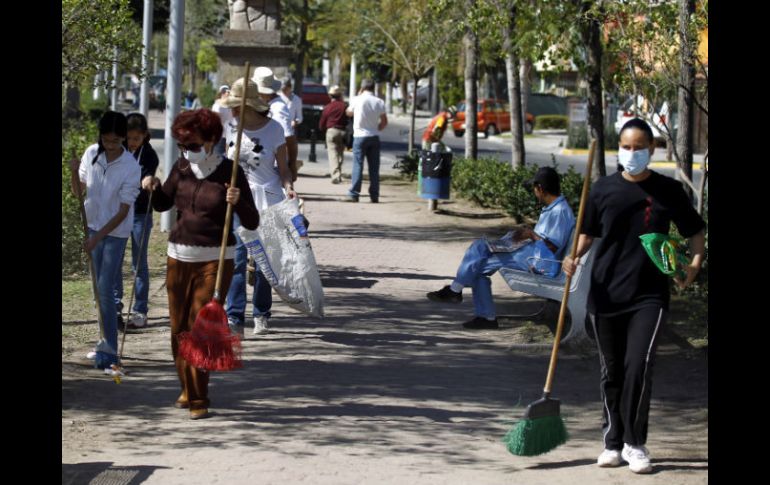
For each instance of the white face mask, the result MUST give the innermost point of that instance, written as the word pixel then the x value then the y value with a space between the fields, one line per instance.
pixel 196 157
pixel 634 162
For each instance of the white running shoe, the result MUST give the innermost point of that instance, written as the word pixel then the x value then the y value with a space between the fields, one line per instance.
pixel 260 325
pixel 91 355
pixel 609 458
pixel 137 320
pixel 638 458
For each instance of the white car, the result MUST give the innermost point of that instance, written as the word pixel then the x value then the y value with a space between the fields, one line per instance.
pixel 656 120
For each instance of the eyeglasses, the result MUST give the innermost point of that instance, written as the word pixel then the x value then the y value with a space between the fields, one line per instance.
pixel 191 147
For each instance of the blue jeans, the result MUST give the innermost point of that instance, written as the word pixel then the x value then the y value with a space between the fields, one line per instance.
pixel 262 299
pixel 368 146
pixel 479 263
pixel 143 276
pixel 108 256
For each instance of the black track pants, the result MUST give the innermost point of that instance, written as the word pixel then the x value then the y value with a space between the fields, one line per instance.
pixel 627 344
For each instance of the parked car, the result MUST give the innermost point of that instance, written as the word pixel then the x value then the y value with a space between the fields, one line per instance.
pixel 493 117
pixel 422 97
pixel 656 118
pixel 314 95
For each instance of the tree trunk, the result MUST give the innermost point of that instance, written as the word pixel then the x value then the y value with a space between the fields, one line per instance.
pixel 591 34
pixel 413 116
pixel 470 43
pixel 525 69
pixel 514 93
pixel 404 94
pixel 299 72
pixel 436 105
pixel 684 136
pixel 72 106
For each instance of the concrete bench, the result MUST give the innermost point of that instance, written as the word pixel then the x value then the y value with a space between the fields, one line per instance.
pixel 553 289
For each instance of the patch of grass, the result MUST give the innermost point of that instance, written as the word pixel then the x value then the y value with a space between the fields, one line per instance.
pixel 77 299
pixel 76 293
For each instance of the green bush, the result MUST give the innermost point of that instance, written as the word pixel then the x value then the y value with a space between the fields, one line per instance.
pixel 551 122
pixel 577 136
pixel 490 183
pixel 94 109
pixel 207 93
pixel 407 165
pixel 611 139
pixel 77 135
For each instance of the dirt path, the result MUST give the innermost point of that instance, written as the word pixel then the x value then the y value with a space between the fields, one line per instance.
pixel 386 389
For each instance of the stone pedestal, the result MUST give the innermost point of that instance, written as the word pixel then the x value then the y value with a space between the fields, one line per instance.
pixel 260 47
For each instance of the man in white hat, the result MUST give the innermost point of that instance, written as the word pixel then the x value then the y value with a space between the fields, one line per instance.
pixel 268 87
pixel 334 121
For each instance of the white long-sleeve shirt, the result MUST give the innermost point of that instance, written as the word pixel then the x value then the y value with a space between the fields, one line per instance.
pixel 107 186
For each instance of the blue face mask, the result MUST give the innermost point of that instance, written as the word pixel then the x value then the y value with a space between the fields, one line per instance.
pixel 634 162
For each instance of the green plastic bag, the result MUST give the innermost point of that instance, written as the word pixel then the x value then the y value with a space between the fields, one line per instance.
pixel 668 255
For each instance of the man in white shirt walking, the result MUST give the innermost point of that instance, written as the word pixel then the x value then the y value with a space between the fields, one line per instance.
pixel 369 118
pixel 294 103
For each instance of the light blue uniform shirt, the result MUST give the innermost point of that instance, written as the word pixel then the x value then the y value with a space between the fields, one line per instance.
pixel 556 223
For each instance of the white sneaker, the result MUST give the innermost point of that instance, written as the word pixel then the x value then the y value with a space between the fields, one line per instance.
pixel 137 320
pixel 91 355
pixel 609 458
pixel 235 329
pixel 260 325
pixel 638 458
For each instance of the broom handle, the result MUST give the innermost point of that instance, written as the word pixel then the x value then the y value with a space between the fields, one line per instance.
pixel 573 252
pixel 91 268
pixel 229 213
pixel 136 274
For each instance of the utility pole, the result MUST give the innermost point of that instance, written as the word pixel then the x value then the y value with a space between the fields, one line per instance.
pixel 144 96
pixel 173 97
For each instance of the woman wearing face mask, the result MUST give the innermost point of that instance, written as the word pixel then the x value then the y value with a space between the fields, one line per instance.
pixel 198 188
pixel 629 296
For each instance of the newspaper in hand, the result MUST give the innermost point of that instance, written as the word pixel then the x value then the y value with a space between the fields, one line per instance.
pixel 506 244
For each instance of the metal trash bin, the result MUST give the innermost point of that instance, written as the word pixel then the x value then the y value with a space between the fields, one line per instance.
pixel 434 174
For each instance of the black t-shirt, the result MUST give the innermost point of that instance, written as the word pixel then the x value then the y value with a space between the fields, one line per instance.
pixel 624 278
pixel 148 160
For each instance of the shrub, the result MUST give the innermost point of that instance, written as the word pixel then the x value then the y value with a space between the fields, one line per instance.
pixel 490 183
pixel 207 93
pixel 551 122
pixel 611 139
pixel 577 136
pixel 407 165
pixel 77 135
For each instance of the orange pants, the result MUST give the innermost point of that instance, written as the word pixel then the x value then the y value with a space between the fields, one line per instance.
pixel 190 286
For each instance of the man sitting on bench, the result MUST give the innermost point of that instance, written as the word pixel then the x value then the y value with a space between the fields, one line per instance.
pixel 524 249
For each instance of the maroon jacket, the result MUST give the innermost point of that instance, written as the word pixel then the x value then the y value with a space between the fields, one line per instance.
pixel 333 116
pixel 200 204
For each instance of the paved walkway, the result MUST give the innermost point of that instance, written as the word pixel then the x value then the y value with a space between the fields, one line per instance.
pixel 387 388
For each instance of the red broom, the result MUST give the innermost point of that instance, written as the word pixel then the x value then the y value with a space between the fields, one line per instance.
pixel 210 345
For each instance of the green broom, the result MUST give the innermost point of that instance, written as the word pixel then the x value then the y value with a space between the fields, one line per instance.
pixel 542 428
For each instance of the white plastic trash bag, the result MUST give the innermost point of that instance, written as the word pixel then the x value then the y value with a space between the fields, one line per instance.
pixel 281 248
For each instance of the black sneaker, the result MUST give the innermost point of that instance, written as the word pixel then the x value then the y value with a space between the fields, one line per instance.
pixel 445 295
pixel 481 323
pixel 121 323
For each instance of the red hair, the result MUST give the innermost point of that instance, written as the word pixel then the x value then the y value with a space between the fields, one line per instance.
pixel 203 122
